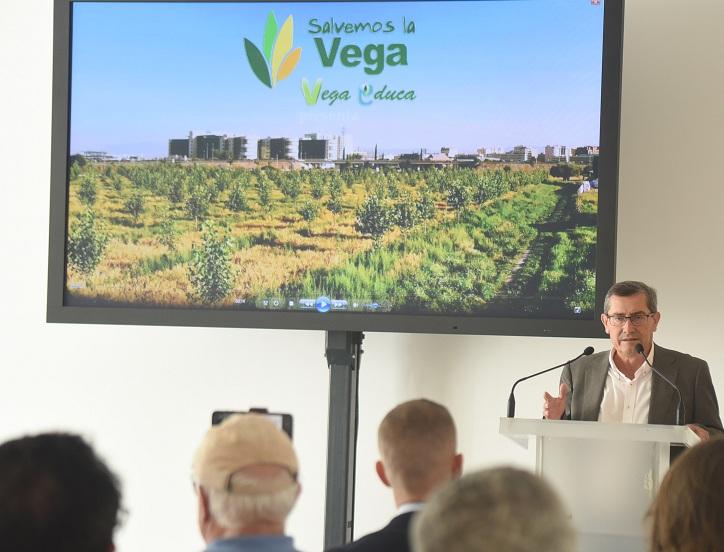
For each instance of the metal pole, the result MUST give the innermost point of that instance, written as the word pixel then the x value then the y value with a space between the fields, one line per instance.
pixel 343 351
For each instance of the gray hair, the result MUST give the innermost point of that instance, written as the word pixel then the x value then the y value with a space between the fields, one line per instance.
pixel 234 510
pixel 502 509
pixel 629 288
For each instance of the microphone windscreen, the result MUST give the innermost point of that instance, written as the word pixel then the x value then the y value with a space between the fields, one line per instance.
pixel 639 348
pixel 588 350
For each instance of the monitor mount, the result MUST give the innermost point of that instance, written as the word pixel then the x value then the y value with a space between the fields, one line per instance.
pixel 343 352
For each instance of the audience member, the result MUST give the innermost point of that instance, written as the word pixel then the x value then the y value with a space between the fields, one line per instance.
pixel 245 473
pixel 56 495
pixel 688 512
pixel 500 510
pixel 417 444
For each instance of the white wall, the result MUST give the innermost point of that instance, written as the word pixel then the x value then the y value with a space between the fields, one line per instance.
pixel 144 395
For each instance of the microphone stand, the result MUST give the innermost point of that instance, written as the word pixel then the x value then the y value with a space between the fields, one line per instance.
pixel 511 398
pixel 680 404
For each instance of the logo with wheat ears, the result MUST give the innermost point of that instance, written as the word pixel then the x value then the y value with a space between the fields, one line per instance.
pixel 276 60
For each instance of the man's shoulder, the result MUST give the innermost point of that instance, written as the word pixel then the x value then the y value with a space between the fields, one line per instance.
pixel 391 538
pixel 244 543
pixel 677 358
pixel 595 359
pixel 661 354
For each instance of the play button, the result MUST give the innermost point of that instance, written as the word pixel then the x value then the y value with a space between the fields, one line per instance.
pixel 323 304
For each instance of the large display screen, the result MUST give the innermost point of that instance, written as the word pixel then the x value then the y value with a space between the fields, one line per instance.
pixel 410 166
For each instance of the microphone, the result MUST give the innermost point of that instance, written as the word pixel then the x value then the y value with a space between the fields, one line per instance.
pixel 680 405
pixel 511 400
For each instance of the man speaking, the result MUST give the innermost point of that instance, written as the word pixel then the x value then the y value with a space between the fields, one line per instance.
pixel 620 386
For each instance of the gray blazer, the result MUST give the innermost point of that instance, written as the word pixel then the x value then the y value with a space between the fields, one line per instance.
pixel 586 379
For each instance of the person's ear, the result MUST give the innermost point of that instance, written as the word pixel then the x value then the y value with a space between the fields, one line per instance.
pixel 604 321
pixel 299 491
pixel 457 467
pixel 380 469
pixel 656 317
pixel 204 510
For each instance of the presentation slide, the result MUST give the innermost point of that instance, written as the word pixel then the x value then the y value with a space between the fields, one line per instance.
pixel 435 158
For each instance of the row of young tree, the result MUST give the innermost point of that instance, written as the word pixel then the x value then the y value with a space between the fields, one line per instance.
pixel 197 189
pixel 385 207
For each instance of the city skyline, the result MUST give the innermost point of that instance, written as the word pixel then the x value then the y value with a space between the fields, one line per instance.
pixel 253 139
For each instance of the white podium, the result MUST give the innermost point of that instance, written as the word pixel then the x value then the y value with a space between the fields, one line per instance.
pixel 606 473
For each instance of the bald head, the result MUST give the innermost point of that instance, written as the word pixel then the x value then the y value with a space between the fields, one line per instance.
pixel 418 444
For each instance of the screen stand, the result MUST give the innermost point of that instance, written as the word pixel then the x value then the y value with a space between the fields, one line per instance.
pixel 343 351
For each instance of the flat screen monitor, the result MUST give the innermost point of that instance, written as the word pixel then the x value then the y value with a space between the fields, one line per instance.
pixel 411 166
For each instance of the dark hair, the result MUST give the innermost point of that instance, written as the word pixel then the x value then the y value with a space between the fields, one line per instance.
pixel 688 512
pixel 629 288
pixel 56 495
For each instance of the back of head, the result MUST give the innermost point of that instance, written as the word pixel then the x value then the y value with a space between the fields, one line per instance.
pixel 56 495
pixel 688 512
pixel 501 509
pixel 248 469
pixel 417 443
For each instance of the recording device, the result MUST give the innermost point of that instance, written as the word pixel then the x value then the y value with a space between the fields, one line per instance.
pixel 680 406
pixel 282 421
pixel 511 400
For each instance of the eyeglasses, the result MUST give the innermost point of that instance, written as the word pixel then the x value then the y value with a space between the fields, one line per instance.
pixel 239 477
pixel 636 319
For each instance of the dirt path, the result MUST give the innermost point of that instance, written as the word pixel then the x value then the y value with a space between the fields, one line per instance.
pixel 524 279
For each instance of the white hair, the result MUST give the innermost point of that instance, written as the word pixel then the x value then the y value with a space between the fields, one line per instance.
pixel 234 510
pixel 501 509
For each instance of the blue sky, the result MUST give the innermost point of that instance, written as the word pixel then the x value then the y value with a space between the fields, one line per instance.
pixel 484 73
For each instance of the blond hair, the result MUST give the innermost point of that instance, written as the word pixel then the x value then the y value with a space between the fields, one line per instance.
pixel 417 442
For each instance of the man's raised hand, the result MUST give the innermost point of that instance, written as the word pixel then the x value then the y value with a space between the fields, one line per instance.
pixel 555 407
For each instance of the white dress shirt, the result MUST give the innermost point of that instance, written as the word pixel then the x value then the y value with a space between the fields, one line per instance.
pixel 626 400
pixel 409 507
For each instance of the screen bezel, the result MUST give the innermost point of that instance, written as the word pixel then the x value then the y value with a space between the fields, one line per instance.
pixel 286 422
pixel 57 311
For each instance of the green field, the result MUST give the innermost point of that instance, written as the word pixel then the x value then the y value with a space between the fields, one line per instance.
pixel 495 239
